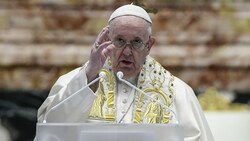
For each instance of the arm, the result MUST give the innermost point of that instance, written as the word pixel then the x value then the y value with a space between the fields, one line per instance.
pixel 191 116
pixel 100 51
pixel 75 109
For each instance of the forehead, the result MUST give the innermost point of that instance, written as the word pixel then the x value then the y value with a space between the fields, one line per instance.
pixel 129 25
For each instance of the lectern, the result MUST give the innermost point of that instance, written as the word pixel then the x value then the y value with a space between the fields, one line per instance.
pixel 108 132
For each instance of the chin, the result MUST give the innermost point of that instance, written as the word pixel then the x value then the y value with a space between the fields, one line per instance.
pixel 128 75
pixel 127 72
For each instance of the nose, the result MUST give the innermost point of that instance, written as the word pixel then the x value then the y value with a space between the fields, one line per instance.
pixel 127 50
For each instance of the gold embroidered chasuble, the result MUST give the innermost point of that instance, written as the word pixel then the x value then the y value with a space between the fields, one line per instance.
pixel 153 80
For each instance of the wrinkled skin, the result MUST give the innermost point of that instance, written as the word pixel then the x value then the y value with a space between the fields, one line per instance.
pixel 127 60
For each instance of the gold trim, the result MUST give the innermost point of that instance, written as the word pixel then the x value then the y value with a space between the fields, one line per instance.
pixel 160 92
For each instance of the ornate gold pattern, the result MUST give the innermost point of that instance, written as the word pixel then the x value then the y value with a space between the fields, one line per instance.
pixel 154 111
pixel 170 88
pixel 158 85
pixel 96 110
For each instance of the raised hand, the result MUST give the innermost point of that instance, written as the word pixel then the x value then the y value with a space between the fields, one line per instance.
pixel 101 49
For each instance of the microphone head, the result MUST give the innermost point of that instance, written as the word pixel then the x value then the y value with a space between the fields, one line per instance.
pixel 102 74
pixel 119 74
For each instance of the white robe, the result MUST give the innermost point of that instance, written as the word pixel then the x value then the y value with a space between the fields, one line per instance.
pixel 76 109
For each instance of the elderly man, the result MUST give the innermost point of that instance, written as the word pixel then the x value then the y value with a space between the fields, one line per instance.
pixel 124 46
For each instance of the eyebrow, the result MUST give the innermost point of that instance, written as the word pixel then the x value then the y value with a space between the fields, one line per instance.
pixel 135 38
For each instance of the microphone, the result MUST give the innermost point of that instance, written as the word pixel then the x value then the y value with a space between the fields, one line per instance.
pixel 120 77
pixel 101 75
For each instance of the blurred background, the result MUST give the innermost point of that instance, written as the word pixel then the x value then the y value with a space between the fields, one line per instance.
pixel 206 43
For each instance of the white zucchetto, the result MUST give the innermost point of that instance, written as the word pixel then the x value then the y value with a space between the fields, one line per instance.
pixel 130 10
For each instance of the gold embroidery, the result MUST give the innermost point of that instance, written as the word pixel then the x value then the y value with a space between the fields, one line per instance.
pixel 138 111
pixel 110 109
pixel 160 92
pixel 153 80
pixel 157 95
pixel 170 89
pixel 154 85
pixel 96 110
pixel 166 117
pixel 153 111
pixel 110 112
pixel 97 107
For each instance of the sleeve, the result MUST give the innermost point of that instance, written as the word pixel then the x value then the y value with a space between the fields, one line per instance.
pixel 74 109
pixel 190 114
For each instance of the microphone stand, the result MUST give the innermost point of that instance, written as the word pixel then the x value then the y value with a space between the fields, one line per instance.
pixel 120 77
pixel 101 75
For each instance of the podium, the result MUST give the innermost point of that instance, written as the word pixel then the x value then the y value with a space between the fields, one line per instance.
pixel 108 132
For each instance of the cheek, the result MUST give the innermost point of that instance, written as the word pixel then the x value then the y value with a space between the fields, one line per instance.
pixel 140 59
pixel 115 56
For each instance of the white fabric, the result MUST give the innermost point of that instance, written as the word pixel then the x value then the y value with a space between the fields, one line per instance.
pixel 130 10
pixel 71 110
pixel 124 102
pixel 186 105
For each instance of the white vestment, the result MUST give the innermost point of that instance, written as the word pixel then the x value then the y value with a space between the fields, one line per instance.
pixel 78 108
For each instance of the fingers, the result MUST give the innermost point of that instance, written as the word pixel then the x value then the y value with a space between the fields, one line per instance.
pixel 102 46
pixel 97 56
pixel 103 36
pixel 100 51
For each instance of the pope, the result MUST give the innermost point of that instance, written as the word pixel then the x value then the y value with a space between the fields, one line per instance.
pixel 124 46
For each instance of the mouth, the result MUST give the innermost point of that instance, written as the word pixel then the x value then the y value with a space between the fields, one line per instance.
pixel 126 62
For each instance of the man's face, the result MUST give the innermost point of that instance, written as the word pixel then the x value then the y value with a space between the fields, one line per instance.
pixel 127 59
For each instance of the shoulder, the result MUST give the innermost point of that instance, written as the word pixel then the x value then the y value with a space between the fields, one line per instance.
pixel 184 94
pixel 66 78
pixel 178 86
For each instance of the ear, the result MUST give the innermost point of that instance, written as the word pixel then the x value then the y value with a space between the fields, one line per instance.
pixel 150 43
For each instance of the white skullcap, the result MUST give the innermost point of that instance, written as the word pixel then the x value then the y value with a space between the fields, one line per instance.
pixel 130 10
